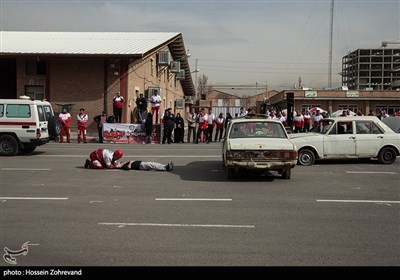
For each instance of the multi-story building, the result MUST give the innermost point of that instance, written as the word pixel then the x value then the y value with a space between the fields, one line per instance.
pixel 372 69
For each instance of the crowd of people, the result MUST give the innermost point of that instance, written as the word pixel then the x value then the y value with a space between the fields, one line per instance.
pixel 202 126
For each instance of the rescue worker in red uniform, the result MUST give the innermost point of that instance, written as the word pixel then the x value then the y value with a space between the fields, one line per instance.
pixel 104 158
pixel 82 119
pixel 65 121
pixel 298 121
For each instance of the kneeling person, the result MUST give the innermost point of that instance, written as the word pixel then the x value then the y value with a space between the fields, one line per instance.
pixel 104 158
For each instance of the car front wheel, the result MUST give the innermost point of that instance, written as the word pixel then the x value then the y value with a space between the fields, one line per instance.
pixel 306 157
pixel 387 155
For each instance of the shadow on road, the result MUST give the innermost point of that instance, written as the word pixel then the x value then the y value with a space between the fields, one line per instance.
pixel 214 171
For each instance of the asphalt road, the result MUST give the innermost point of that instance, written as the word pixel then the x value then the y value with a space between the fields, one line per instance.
pixel 344 213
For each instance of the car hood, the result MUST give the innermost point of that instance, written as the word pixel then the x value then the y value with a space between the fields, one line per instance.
pixel 302 135
pixel 260 144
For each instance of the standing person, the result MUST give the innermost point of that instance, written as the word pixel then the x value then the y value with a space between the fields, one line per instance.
pixel 100 120
pixel 192 116
pixel 220 127
pixel 298 122
pixel 202 128
pixel 242 112
pixel 179 128
pixel 118 104
pixel 307 121
pixel 65 121
pixel 316 118
pixel 82 119
pixel 149 127
pixel 169 122
pixel 155 101
pixel 227 119
pixel 211 124
pixel 141 104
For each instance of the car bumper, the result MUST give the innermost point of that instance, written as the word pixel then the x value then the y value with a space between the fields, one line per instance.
pixel 267 165
pixel 39 142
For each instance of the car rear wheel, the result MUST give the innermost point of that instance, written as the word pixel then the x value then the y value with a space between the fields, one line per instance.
pixel 306 157
pixel 8 145
pixel 387 155
pixel 286 173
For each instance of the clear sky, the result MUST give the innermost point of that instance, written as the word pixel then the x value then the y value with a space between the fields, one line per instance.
pixel 268 43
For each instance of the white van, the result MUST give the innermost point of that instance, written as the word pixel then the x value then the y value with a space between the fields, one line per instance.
pixel 26 124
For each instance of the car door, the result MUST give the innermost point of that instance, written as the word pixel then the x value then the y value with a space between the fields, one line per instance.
pixel 369 138
pixel 340 141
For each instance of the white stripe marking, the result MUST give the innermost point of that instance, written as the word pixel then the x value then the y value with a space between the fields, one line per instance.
pixel 34 198
pixel 194 199
pixel 26 169
pixel 95 201
pixel 357 201
pixel 368 172
pixel 175 225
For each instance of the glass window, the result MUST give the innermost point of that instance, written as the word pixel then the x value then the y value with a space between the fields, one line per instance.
pixel 41 114
pixel 48 112
pixel 18 111
pixel 1 110
pixel 257 130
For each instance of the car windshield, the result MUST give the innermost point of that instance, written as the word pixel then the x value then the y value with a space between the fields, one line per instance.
pixel 256 129
pixel 322 126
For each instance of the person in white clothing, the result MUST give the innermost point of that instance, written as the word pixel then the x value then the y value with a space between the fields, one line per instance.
pixel 155 101
pixel 82 119
pixel 210 126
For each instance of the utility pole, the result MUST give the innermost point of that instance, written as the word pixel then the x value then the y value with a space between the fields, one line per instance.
pixel 330 47
pixel 195 79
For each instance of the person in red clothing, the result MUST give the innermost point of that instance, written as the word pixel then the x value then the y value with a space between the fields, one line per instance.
pixel 307 122
pixel 298 122
pixel 118 104
pixel 104 158
pixel 65 121
pixel 82 119
pixel 220 127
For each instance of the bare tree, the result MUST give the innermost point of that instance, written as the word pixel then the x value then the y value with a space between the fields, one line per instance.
pixel 203 88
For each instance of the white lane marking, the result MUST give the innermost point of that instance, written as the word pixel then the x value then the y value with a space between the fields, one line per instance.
pixel 369 172
pixel 357 201
pixel 174 225
pixel 33 198
pixel 194 199
pixel 25 169
pixel 118 186
pixel 95 201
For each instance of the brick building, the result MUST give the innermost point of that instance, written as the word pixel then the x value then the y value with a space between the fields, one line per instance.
pixel 333 100
pixel 86 69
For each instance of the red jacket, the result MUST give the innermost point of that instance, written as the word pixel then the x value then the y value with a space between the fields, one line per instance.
pixel 65 119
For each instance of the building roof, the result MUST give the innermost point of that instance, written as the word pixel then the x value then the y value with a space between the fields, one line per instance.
pixel 121 44
pixel 82 43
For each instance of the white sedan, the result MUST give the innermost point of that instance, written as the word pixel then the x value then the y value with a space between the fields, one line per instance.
pixel 348 137
pixel 257 143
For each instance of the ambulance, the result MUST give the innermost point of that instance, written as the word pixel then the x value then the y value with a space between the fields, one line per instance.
pixel 26 124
